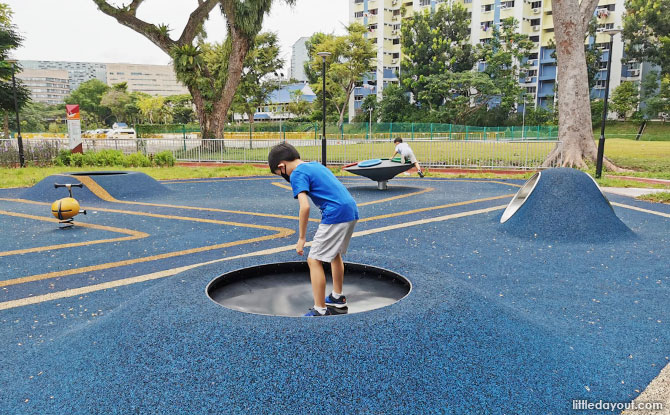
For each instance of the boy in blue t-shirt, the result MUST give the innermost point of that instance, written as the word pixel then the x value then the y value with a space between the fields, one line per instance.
pixel 339 215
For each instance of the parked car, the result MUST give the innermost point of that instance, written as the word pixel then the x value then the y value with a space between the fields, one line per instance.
pixel 121 133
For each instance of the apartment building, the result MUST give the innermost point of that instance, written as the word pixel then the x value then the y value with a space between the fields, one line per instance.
pixel 48 86
pixel 384 19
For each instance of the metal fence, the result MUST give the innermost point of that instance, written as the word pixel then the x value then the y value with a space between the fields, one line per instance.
pixel 515 154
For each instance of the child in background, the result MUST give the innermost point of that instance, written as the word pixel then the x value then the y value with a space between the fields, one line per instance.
pixel 339 215
pixel 406 153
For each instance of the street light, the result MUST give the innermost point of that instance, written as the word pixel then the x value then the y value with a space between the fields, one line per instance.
pixel 601 141
pixel 22 159
pixel 323 55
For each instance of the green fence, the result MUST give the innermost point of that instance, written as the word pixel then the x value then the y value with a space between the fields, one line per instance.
pixel 308 130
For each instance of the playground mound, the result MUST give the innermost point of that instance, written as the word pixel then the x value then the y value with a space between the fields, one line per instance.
pixel 98 185
pixel 563 204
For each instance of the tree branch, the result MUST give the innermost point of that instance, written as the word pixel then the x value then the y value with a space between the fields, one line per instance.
pixel 195 20
pixel 586 9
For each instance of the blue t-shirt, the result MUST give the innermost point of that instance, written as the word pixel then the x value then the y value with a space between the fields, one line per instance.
pixel 321 185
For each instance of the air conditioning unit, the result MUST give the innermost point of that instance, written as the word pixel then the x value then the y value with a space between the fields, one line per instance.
pixel 634 72
pixel 394 17
pixel 536 28
pixel 536 10
pixel 394 60
pixel 394 2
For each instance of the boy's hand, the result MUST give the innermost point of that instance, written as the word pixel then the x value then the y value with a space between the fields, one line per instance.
pixel 299 248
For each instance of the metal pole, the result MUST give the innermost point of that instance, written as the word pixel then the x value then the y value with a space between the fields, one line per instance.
pixel 601 141
pixel 523 118
pixel 323 99
pixel 22 159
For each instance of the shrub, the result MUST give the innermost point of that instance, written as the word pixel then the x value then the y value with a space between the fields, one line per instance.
pixel 136 160
pixel 164 159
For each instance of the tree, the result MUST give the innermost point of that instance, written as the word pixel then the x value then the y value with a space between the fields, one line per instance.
pixel 182 108
pixel 646 25
pixel 395 105
pixel 116 99
pixel 571 20
pixel 458 95
pixel 255 89
pixel 298 106
pixel 212 88
pixel 504 56
pixel 625 99
pixel 657 100
pixel 89 98
pixel 351 58
pixel 433 44
pixel 9 40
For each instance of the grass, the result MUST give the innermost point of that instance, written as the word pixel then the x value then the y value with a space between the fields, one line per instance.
pixel 647 158
pixel 661 197
pixel 654 131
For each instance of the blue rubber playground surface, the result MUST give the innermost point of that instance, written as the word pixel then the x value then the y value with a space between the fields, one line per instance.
pixel 111 315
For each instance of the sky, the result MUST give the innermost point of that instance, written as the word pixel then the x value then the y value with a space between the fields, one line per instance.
pixel 75 30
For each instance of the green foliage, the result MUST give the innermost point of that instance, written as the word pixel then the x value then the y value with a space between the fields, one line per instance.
pixel 433 44
pixel 647 32
pixel 395 105
pixel 89 98
pixel 351 57
pixel 625 99
pixel 10 39
pixel 504 57
pixel 164 159
pixel 254 88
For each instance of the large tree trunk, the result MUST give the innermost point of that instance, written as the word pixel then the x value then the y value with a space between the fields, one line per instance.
pixel 574 105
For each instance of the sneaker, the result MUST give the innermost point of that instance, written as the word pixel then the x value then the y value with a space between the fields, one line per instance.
pixel 421 174
pixel 338 306
pixel 313 313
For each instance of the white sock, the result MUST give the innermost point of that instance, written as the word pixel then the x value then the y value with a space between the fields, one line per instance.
pixel 321 311
pixel 336 295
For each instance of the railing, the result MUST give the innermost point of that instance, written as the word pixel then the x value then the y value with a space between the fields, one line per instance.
pixel 517 154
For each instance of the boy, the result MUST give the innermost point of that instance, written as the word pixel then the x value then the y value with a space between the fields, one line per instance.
pixel 339 214
pixel 406 153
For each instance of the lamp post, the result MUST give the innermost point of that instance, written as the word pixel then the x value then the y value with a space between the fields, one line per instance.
pixel 22 159
pixel 601 141
pixel 323 55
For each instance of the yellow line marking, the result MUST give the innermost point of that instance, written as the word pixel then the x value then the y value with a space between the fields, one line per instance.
pixel 428 189
pixel 170 272
pixel 96 189
pixel 639 209
pixel 56 274
pixel 282 185
pixel 133 235
pixel 215 180
pixel 408 212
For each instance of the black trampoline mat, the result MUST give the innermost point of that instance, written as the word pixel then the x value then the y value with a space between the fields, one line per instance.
pixel 285 290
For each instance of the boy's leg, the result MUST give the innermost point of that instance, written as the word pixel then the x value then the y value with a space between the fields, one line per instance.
pixel 337 269
pixel 318 278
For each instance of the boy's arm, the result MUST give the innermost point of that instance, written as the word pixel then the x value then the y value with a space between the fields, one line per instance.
pixel 303 220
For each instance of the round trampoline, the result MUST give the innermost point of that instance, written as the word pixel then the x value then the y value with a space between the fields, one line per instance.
pixel 284 289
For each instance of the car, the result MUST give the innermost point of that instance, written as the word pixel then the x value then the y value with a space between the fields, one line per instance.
pixel 122 133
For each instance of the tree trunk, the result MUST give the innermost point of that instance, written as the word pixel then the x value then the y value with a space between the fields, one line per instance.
pixel 350 88
pixel 574 105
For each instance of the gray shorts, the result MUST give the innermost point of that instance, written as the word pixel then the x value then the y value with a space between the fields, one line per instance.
pixel 411 157
pixel 331 240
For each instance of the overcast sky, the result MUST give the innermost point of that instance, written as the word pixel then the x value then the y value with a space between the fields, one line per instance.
pixel 75 30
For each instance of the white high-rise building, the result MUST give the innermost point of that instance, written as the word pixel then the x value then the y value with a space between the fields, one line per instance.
pixel 298 59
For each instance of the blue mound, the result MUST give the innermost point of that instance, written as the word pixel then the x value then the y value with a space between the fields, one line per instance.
pixel 566 205
pixel 122 185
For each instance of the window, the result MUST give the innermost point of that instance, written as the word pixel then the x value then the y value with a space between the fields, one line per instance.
pixel 535 39
pixel 424 3
pixel 600 84
pixel 534 22
pixel 487 8
pixel 358 15
pixel 531 89
pixel 396 41
pixel 536 4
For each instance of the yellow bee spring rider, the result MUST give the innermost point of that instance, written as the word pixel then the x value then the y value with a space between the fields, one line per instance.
pixel 67 208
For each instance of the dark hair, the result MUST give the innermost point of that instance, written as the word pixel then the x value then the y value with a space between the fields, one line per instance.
pixel 398 140
pixel 281 152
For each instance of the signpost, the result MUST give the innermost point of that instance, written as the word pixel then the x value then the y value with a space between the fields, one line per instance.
pixel 74 128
